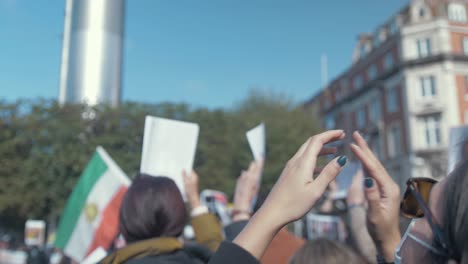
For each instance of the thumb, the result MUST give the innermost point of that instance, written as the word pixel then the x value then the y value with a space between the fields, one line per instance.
pixel 329 173
pixel 372 193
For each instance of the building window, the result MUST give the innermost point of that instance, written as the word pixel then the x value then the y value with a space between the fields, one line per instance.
pixel 394 141
pixel 424 47
pixel 374 113
pixel 431 130
pixel 392 101
pixel 376 147
pixel 428 87
pixel 330 122
pixel 394 26
pixel 466 88
pixel 372 72
pixel 361 117
pixel 465 45
pixel 388 61
pixel 357 83
pixel 457 12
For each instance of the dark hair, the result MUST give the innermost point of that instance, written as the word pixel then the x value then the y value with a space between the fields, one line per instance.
pixel 152 207
pixel 325 251
pixel 455 212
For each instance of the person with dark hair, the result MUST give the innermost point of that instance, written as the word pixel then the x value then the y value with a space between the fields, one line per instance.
pixel 153 216
pixel 325 251
pixel 438 232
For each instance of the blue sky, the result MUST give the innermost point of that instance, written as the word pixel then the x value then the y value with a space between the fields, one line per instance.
pixel 205 52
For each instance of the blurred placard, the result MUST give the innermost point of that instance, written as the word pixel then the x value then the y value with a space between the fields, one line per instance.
pixel 34 233
pixel 169 148
pixel 256 139
pixel 325 226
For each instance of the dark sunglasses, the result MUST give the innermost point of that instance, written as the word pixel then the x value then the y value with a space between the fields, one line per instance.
pixel 414 205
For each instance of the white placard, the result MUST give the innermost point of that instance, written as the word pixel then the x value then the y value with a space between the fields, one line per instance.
pixel 458 144
pixel 34 233
pixel 169 148
pixel 97 255
pixel 256 139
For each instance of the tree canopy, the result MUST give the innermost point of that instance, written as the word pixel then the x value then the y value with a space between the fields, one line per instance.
pixel 44 146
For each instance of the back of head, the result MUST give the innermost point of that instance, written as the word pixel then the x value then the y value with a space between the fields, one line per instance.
pixel 325 251
pixel 152 207
pixel 455 212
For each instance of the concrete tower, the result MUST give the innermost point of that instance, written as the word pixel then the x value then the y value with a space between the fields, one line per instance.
pixel 91 68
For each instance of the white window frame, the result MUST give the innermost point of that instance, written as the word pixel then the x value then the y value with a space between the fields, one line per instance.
pixel 392 100
pixel 424 47
pixel 457 12
pixel 428 87
pixel 394 148
pixel 431 131
pixel 389 61
pixel 465 45
pixel 466 87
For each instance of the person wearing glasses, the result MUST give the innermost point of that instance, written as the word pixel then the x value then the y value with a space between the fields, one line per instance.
pixel 438 232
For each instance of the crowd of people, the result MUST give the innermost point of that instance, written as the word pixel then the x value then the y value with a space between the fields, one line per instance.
pixel 153 215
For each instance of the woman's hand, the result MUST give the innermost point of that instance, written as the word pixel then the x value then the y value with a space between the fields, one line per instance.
pixel 294 194
pixel 191 188
pixel 246 189
pixel 383 197
pixel 296 191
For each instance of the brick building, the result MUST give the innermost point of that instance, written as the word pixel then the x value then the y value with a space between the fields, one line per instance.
pixel 407 85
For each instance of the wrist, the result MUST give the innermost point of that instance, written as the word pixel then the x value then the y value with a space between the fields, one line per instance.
pixel 240 214
pixel 387 248
pixel 194 202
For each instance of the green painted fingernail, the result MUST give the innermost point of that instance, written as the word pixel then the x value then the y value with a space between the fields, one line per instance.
pixel 342 160
pixel 368 182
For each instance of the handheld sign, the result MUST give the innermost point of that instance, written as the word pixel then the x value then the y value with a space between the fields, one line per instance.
pixel 169 148
pixel 34 233
pixel 256 139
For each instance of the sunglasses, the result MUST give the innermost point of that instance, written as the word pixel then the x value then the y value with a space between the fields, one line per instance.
pixel 414 205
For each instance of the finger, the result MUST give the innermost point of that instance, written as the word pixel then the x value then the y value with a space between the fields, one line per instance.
pixel 362 143
pixel 252 166
pixel 316 143
pixel 328 174
pixel 372 194
pixel 328 151
pixel 369 164
pixel 301 150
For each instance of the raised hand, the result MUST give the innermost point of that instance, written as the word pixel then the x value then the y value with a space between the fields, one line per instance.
pixel 191 188
pixel 294 194
pixel 383 197
pixel 246 189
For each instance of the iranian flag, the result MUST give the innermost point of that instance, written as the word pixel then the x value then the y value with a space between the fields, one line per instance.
pixel 91 217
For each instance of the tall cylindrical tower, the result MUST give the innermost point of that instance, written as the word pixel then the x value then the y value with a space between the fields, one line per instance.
pixel 91 68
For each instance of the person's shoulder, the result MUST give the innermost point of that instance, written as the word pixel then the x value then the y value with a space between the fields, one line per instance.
pixel 179 256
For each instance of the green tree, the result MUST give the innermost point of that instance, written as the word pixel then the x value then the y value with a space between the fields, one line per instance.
pixel 45 146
